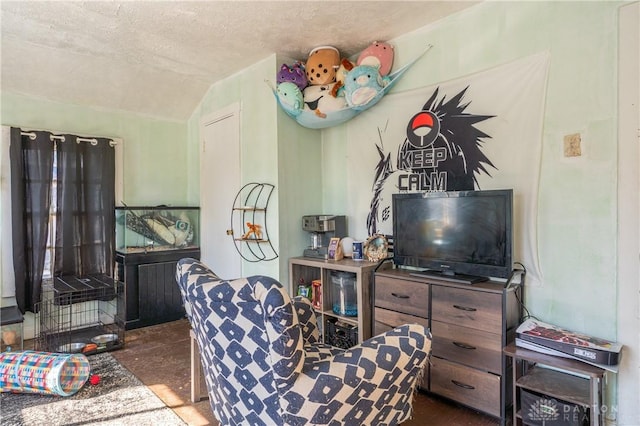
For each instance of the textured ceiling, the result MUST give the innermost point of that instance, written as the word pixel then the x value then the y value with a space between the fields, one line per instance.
pixel 159 58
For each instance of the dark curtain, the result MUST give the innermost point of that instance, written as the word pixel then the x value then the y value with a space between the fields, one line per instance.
pixel 84 241
pixel 31 171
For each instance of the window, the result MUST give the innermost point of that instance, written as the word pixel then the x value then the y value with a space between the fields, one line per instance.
pixel 47 271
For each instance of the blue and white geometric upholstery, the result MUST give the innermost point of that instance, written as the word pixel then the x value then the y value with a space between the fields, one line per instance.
pixel 264 363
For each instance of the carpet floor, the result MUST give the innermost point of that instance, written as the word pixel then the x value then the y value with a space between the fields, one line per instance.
pixel 119 399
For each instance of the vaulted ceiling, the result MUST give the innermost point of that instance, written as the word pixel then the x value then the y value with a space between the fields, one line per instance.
pixel 158 58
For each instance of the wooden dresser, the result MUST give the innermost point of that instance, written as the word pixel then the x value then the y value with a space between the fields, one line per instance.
pixel 470 326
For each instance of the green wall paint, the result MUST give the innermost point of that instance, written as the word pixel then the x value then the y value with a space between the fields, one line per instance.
pixel 154 150
pixel 301 180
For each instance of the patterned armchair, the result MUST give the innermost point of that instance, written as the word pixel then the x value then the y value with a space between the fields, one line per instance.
pixel 264 363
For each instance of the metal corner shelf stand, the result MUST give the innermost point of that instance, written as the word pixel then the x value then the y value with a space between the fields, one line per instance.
pixel 250 208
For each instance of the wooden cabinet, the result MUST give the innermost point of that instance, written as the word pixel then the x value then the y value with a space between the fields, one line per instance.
pixel 151 293
pixel 470 325
pixel 306 270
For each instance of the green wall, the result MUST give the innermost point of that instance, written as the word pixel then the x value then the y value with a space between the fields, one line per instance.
pixel 300 185
pixel 154 150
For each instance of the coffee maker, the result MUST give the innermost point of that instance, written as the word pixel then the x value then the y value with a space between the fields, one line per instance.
pixel 322 229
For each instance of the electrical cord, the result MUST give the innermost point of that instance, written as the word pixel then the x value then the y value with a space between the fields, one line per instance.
pixel 523 274
pixel 381 262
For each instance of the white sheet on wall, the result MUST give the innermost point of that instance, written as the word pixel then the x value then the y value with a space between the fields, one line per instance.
pixel 503 108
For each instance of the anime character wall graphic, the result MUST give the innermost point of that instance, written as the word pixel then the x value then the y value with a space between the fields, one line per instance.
pixel 442 151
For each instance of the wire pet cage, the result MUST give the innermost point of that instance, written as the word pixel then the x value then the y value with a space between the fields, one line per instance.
pixel 80 314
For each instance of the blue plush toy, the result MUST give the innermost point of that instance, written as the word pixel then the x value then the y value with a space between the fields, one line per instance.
pixel 362 85
pixel 290 97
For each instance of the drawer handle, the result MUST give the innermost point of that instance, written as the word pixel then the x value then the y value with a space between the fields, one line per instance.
pixel 462 385
pixel 465 308
pixel 400 296
pixel 463 345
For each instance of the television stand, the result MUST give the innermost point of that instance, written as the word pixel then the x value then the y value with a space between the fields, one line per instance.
pixel 448 276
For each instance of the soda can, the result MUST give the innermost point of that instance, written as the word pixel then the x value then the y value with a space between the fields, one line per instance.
pixel 357 250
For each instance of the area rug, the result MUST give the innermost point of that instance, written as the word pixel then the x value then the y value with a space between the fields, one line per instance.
pixel 119 399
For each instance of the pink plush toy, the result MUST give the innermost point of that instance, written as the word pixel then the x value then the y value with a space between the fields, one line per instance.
pixel 378 54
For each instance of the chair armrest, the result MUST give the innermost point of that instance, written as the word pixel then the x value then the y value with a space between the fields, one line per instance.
pixel 307 319
pixel 382 373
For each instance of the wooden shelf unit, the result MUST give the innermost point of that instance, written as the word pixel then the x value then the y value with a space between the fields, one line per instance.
pixel 309 269
pixel 569 380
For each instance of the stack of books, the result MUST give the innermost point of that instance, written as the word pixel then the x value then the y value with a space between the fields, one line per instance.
pixel 541 337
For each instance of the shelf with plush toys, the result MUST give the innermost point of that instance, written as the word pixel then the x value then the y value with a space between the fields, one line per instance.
pixel 328 89
pixel 249 216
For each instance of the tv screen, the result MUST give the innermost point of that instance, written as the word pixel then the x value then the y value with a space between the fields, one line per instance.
pixel 463 236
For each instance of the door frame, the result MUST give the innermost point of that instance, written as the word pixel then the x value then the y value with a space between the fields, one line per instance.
pixel 628 238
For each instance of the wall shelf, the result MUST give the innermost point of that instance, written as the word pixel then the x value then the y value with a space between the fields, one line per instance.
pixel 250 208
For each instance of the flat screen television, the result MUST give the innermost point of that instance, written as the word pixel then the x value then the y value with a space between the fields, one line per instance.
pixel 463 236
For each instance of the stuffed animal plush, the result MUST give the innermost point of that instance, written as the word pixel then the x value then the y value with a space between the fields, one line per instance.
pixel 322 65
pixel 362 85
pixel 378 54
pixel 320 100
pixel 345 66
pixel 293 74
pixel 255 230
pixel 290 98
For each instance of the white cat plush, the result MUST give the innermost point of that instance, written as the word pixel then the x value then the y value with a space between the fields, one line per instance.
pixel 318 98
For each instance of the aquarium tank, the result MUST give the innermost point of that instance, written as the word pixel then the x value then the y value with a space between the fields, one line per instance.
pixel 145 229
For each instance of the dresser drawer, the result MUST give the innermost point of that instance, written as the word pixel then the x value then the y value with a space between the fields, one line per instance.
pixel 386 320
pixel 475 348
pixel 466 385
pixel 408 297
pixel 468 308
